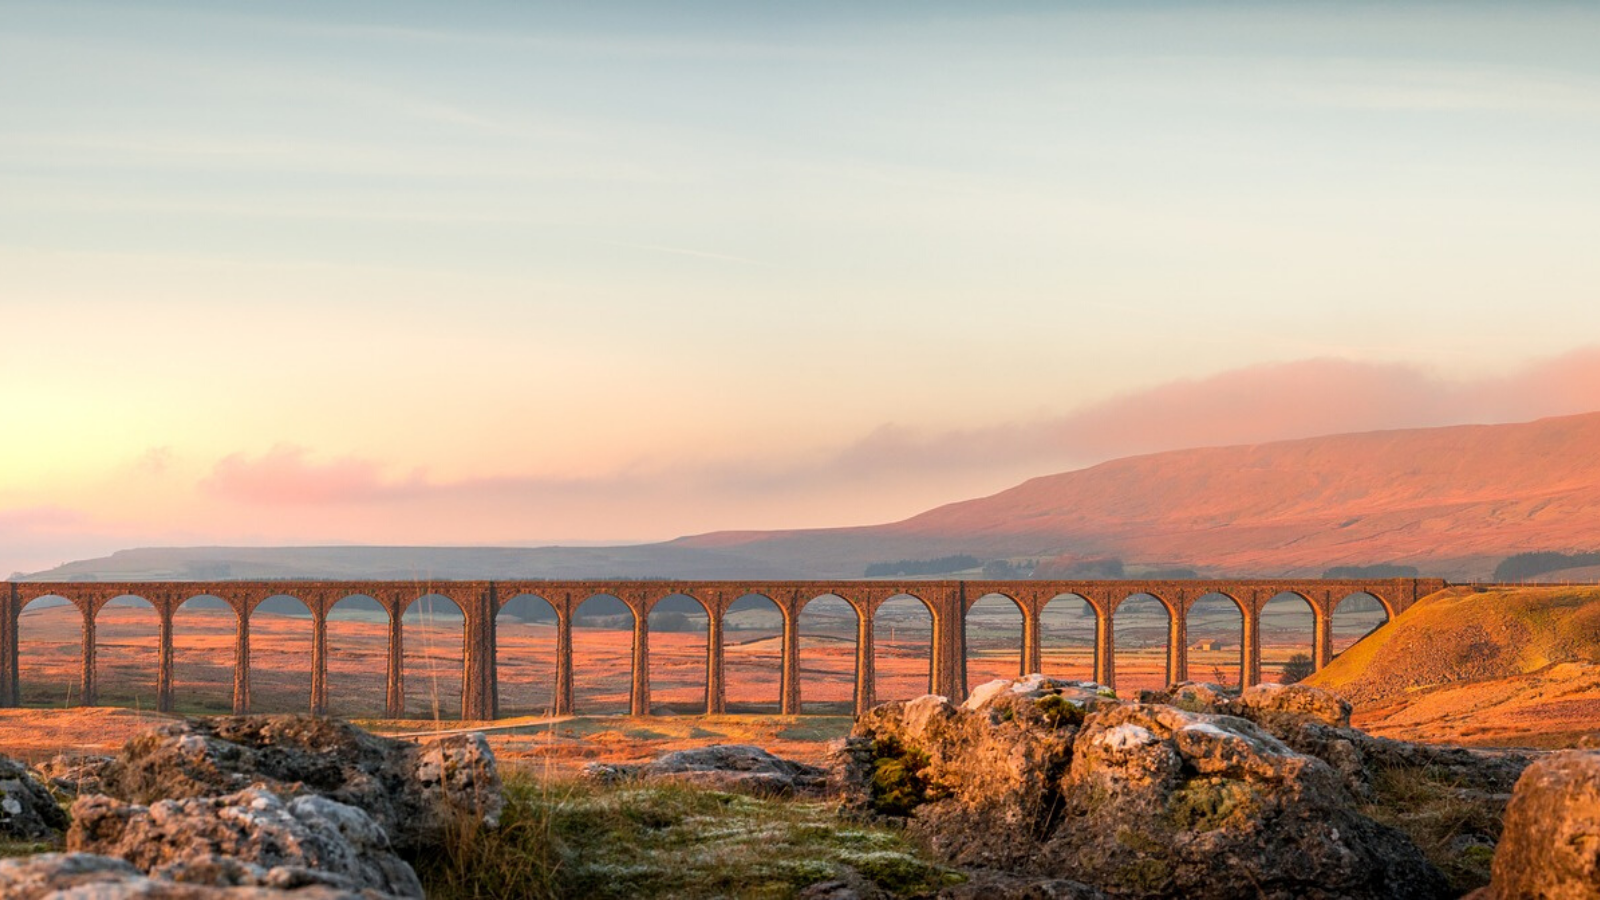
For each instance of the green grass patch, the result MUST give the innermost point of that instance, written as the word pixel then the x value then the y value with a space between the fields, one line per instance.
pixel 578 839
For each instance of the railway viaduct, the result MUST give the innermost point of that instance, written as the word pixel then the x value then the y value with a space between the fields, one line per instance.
pixel 947 601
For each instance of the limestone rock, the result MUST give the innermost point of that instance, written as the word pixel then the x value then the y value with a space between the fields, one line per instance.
pixel 413 791
pixel 1054 783
pixel 1194 696
pixel 985 781
pixel 248 838
pixel 27 809
pixel 73 775
pixel 723 767
pixel 1550 845
pixel 1292 701
pixel 85 876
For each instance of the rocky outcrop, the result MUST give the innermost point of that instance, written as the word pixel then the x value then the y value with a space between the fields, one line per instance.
pixel 85 876
pixel 1317 723
pixel 414 792
pixel 1550 844
pixel 1057 780
pixel 248 838
pixel 723 767
pixel 27 810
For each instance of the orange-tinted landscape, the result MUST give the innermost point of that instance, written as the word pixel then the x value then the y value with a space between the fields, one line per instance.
pixel 280 666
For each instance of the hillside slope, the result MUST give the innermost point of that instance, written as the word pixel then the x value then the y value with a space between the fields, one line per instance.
pixel 1449 500
pixel 1509 667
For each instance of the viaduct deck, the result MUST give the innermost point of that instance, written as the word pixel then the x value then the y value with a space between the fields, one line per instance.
pixel 947 601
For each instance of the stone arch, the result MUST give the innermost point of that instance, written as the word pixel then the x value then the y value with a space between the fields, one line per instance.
pixel 752 640
pixel 434 642
pixel 678 624
pixel 992 629
pixel 1141 628
pixel 49 651
pixel 357 651
pixel 829 628
pixel 1068 629
pixel 526 634
pixel 602 655
pixel 127 651
pixel 903 628
pixel 1354 616
pixel 1288 627
pixel 1214 635
pixel 205 628
pixel 281 639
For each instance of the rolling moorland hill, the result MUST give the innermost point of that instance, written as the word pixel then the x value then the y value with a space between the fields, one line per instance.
pixel 1499 667
pixel 1449 501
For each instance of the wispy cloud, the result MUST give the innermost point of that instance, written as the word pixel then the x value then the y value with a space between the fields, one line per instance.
pixel 288 475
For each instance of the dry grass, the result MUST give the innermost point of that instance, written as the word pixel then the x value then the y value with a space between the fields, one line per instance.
pixel 565 838
pixel 1455 827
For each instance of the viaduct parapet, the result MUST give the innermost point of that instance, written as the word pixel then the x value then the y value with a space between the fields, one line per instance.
pixel 948 602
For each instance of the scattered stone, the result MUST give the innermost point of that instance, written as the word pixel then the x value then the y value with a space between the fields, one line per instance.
pixel 1550 844
pixel 415 792
pixel 723 767
pixel 85 876
pixel 28 811
pixel 248 838
pixel 73 776
pixel 1054 783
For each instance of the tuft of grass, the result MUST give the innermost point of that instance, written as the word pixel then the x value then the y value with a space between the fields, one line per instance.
pixel 1455 828
pixel 580 839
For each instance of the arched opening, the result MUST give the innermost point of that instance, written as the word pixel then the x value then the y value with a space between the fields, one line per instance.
pixel 50 652
pixel 752 655
pixel 1067 637
pixel 677 625
pixel 280 655
pixel 205 631
pixel 829 628
pixel 127 634
pixel 1355 617
pixel 525 656
pixel 1288 635
pixel 1140 626
pixel 993 630
pixel 1215 627
pixel 903 648
pixel 434 643
pixel 602 656
pixel 357 657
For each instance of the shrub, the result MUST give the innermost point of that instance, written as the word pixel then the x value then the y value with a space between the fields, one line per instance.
pixel 1298 668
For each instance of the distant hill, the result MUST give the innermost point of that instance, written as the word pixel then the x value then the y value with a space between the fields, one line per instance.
pixel 1447 501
